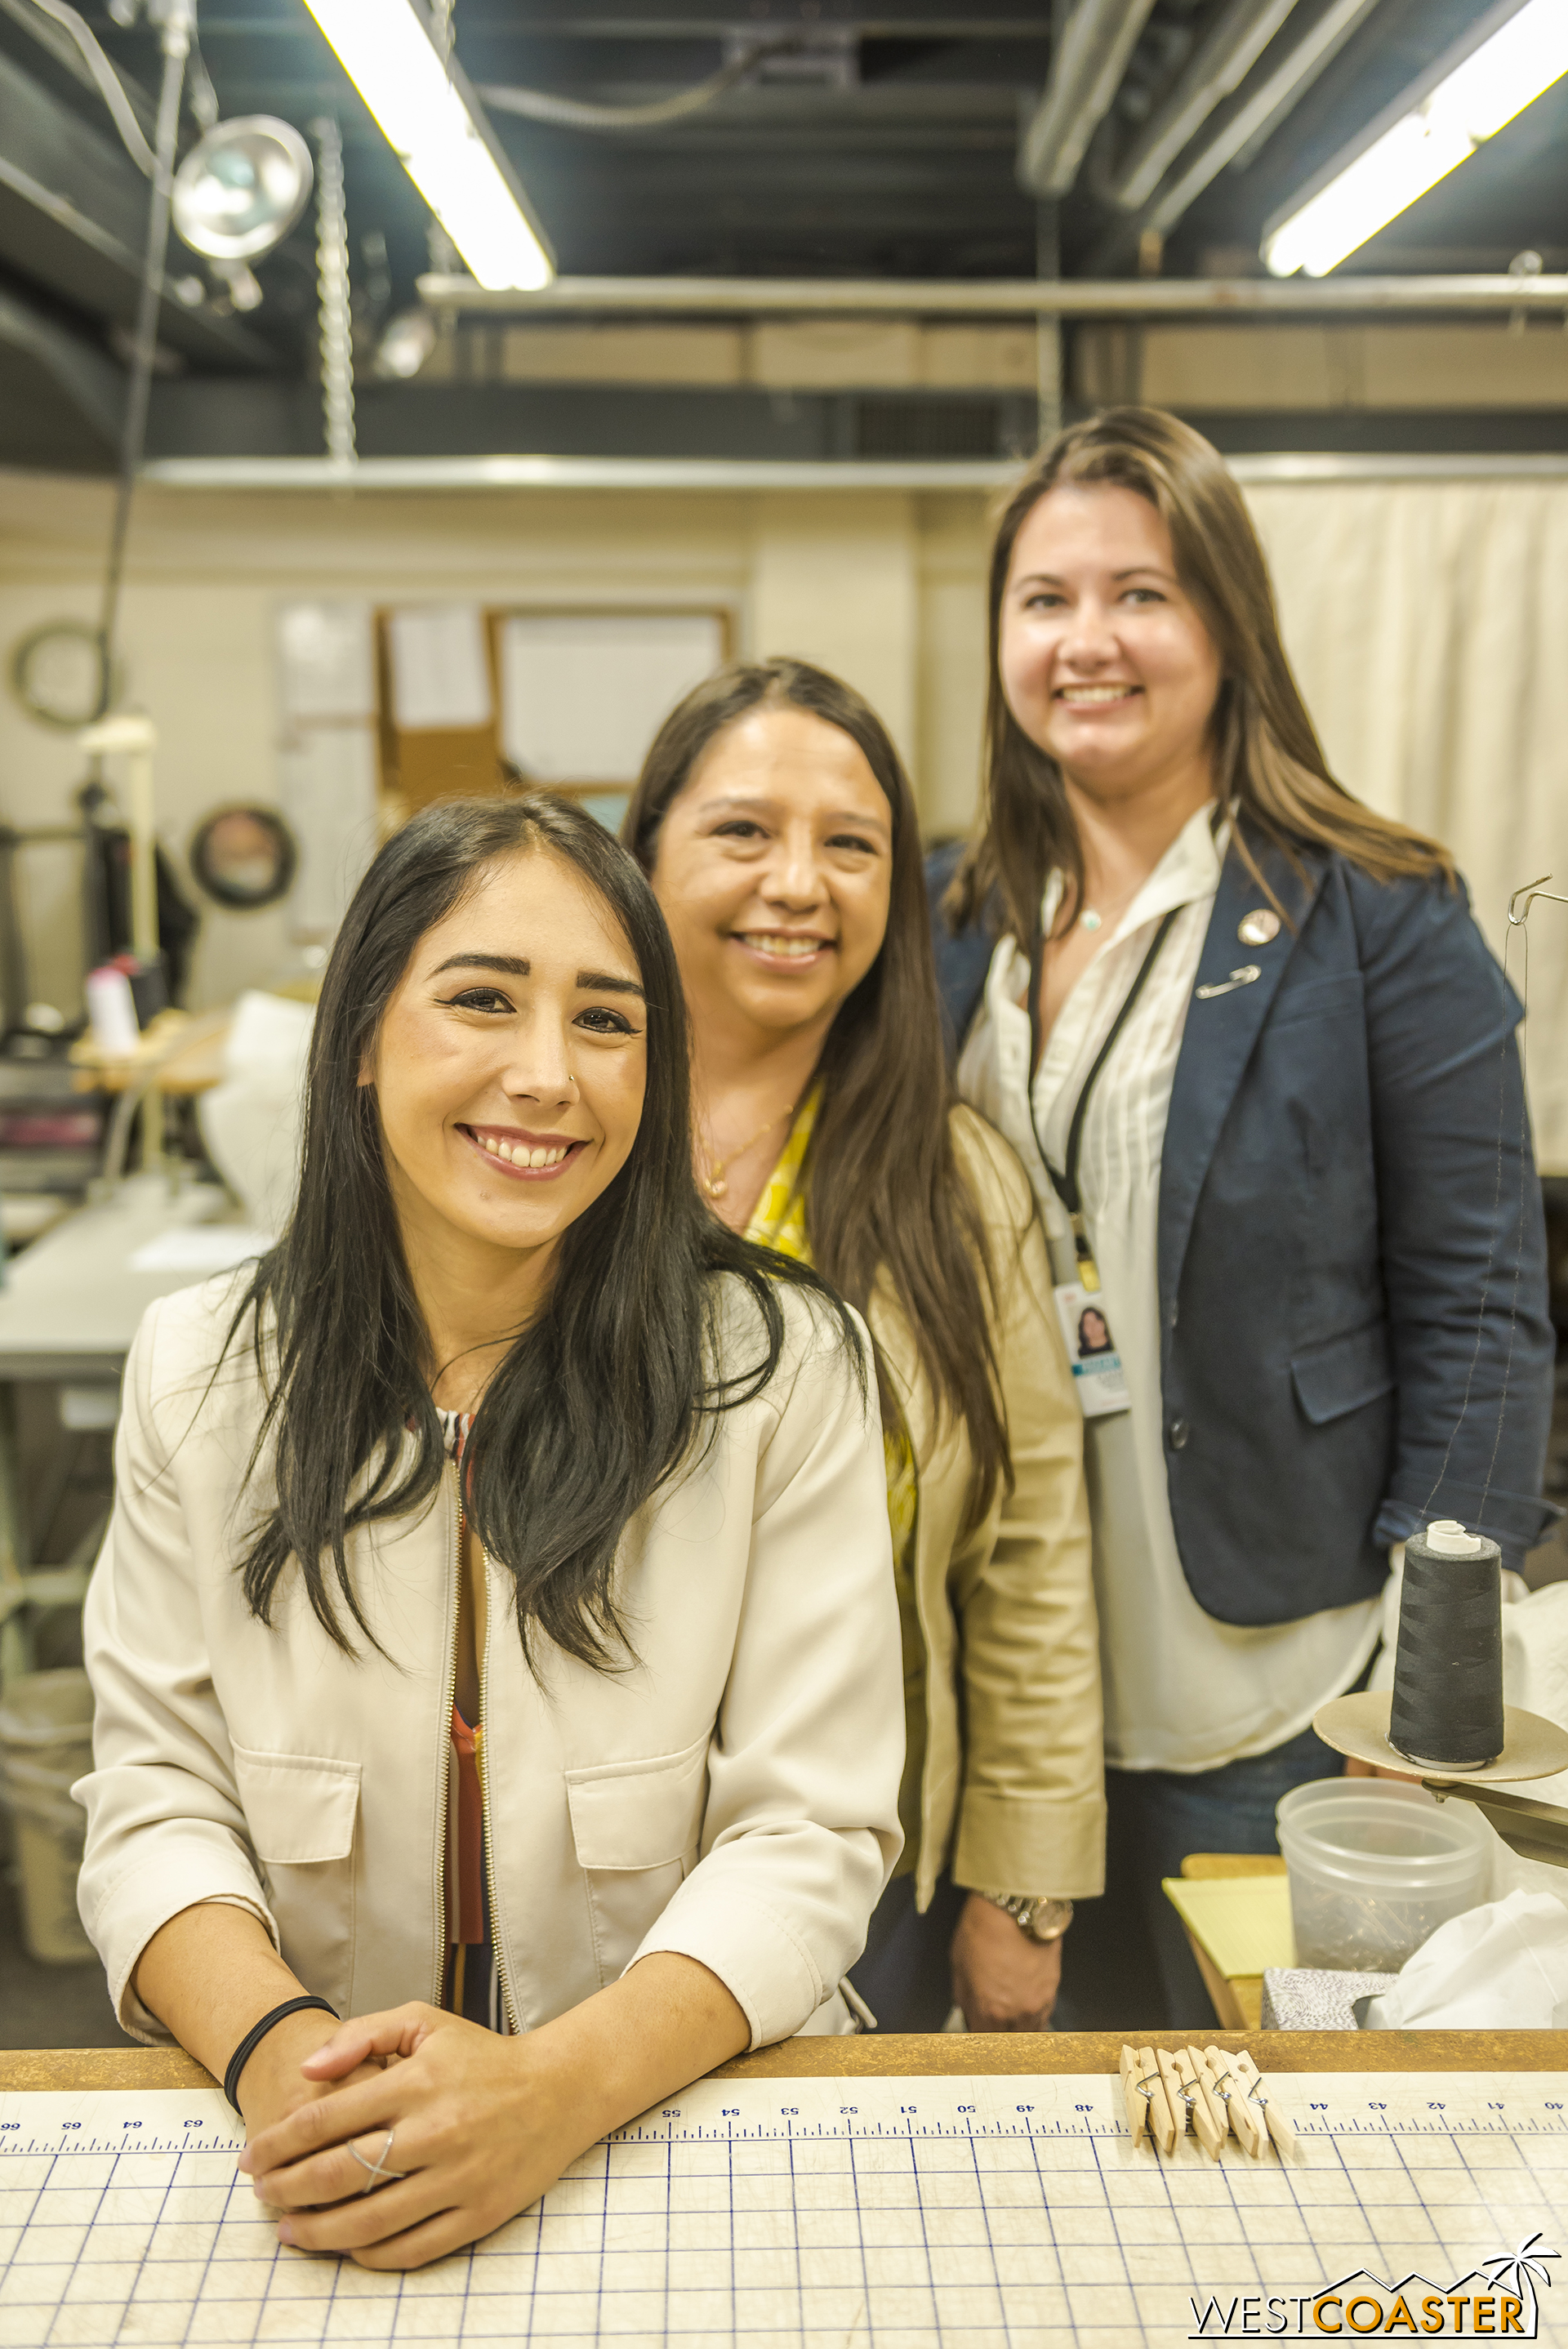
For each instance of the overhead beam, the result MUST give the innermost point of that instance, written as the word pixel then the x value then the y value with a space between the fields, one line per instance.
pixel 1004 298
pixel 1086 74
pixel 52 36
pixel 308 475
pixel 72 212
pixel 92 383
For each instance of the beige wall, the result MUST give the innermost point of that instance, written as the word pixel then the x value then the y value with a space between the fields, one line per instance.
pixel 1426 620
pixel 883 587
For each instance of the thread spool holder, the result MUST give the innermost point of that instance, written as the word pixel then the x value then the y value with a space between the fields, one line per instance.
pixel 1533 1747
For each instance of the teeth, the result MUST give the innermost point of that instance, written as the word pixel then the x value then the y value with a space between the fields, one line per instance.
pixel 766 943
pixel 1095 692
pixel 523 1154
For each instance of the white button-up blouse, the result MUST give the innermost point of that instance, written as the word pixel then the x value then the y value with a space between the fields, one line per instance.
pixel 1182 1691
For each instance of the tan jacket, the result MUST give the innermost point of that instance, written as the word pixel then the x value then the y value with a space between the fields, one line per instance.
pixel 1016 1801
pixel 732 1795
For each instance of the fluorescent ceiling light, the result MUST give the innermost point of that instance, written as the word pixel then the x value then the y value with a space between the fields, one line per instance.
pixel 1466 107
pixel 433 121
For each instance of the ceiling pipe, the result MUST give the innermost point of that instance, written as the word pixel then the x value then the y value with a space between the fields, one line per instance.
pixel 1239 133
pixel 1223 59
pixel 1248 126
pixel 1291 80
pixel 1086 74
pixel 1120 297
pixel 272 476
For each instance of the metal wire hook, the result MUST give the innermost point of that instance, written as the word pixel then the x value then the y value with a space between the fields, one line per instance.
pixel 1529 892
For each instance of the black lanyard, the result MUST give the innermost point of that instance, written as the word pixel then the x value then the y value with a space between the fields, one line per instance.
pixel 1065 1183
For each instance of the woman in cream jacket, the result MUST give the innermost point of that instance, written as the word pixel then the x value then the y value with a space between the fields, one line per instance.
pixel 495 1625
pixel 777 825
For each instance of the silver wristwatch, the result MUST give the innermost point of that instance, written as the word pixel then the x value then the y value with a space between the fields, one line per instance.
pixel 1035 1913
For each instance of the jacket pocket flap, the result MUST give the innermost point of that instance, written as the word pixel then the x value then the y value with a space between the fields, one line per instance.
pixel 639 1814
pixel 1344 1373
pixel 299 1809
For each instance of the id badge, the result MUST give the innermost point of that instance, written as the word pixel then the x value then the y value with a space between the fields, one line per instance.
pixel 1099 1380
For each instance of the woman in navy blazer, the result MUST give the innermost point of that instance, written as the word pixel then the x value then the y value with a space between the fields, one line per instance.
pixel 1328 1285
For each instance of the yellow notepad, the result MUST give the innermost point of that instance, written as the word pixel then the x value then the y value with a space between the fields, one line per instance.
pixel 1243 1921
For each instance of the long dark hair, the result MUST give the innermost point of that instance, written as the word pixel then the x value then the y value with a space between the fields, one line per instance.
pixel 605 1393
pixel 1266 754
pixel 883 1193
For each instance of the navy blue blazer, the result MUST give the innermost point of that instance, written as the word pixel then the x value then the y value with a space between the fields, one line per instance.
pixel 1352 1250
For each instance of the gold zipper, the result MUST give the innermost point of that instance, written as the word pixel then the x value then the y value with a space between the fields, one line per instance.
pixel 484 1811
pixel 443 1845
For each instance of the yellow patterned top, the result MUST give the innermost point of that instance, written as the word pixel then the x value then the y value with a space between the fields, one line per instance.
pixel 779 1221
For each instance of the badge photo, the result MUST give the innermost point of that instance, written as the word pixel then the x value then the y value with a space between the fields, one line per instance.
pixel 1098 1381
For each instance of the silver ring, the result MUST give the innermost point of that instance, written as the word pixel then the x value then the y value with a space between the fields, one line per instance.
pixel 379 2174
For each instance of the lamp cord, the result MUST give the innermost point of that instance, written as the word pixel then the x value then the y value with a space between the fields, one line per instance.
pixel 133 436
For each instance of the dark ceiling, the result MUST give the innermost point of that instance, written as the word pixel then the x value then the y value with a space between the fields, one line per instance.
pixel 883 145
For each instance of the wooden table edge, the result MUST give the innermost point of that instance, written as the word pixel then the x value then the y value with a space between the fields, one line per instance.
pixel 1001 2055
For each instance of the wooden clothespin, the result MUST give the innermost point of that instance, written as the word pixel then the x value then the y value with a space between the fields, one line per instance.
pixel 1133 2097
pixel 1280 2126
pixel 1208 2121
pixel 1246 2121
pixel 1176 2095
pixel 1165 2126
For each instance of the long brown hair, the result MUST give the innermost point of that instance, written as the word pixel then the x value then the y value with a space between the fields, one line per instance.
pixel 1266 755
pixel 883 1192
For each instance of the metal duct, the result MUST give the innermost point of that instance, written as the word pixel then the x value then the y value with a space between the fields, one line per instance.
pixel 1227 52
pixel 1086 73
pixel 1240 130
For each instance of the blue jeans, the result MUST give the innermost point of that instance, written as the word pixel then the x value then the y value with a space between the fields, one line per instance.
pixel 906 1975
pixel 1127 1963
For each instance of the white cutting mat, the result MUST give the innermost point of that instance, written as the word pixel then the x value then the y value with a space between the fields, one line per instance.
pixel 900 2214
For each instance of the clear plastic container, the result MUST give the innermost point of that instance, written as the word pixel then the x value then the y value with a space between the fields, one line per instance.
pixel 1374 1868
pixel 46 1745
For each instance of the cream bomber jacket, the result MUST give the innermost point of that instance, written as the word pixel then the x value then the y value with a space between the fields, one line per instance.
pixel 1016 1803
pixel 732 1795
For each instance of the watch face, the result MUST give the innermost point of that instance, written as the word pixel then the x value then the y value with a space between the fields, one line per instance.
pixel 58 674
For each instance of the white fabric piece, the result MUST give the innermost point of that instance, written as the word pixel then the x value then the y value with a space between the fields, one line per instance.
pixel 1425 622
pixel 251 1121
pixel 1182 1691
pixel 1501 1967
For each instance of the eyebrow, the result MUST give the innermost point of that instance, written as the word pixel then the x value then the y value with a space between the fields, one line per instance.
pixel 749 801
pixel 600 982
pixel 1055 579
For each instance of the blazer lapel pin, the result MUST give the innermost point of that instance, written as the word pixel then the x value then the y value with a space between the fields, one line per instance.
pixel 1242 978
pixel 1258 928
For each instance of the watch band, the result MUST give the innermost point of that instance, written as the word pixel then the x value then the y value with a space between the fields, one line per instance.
pixel 1037 1914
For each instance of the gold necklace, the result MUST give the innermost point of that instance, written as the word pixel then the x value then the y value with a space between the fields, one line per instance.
pixel 713 1181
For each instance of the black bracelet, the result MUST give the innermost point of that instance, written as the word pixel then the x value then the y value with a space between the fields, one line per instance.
pixel 258 2032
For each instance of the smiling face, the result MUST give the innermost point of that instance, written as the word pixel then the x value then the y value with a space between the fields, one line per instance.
pixel 1105 662
pixel 773 869
pixel 511 1064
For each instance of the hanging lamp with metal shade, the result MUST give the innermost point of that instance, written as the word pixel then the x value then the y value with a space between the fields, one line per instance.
pixel 241 188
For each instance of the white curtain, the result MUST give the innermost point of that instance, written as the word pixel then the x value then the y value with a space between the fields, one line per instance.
pixel 1427 622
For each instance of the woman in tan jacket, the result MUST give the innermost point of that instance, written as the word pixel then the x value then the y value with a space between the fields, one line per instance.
pixel 778 829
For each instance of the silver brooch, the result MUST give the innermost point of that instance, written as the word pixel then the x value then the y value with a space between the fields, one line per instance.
pixel 1258 927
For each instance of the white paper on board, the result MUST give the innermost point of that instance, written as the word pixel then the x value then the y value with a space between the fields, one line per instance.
pixel 327 660
pixel 583 694
pixel 440 677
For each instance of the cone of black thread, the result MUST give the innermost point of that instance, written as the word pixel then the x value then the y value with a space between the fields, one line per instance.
pixel 1447 1669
